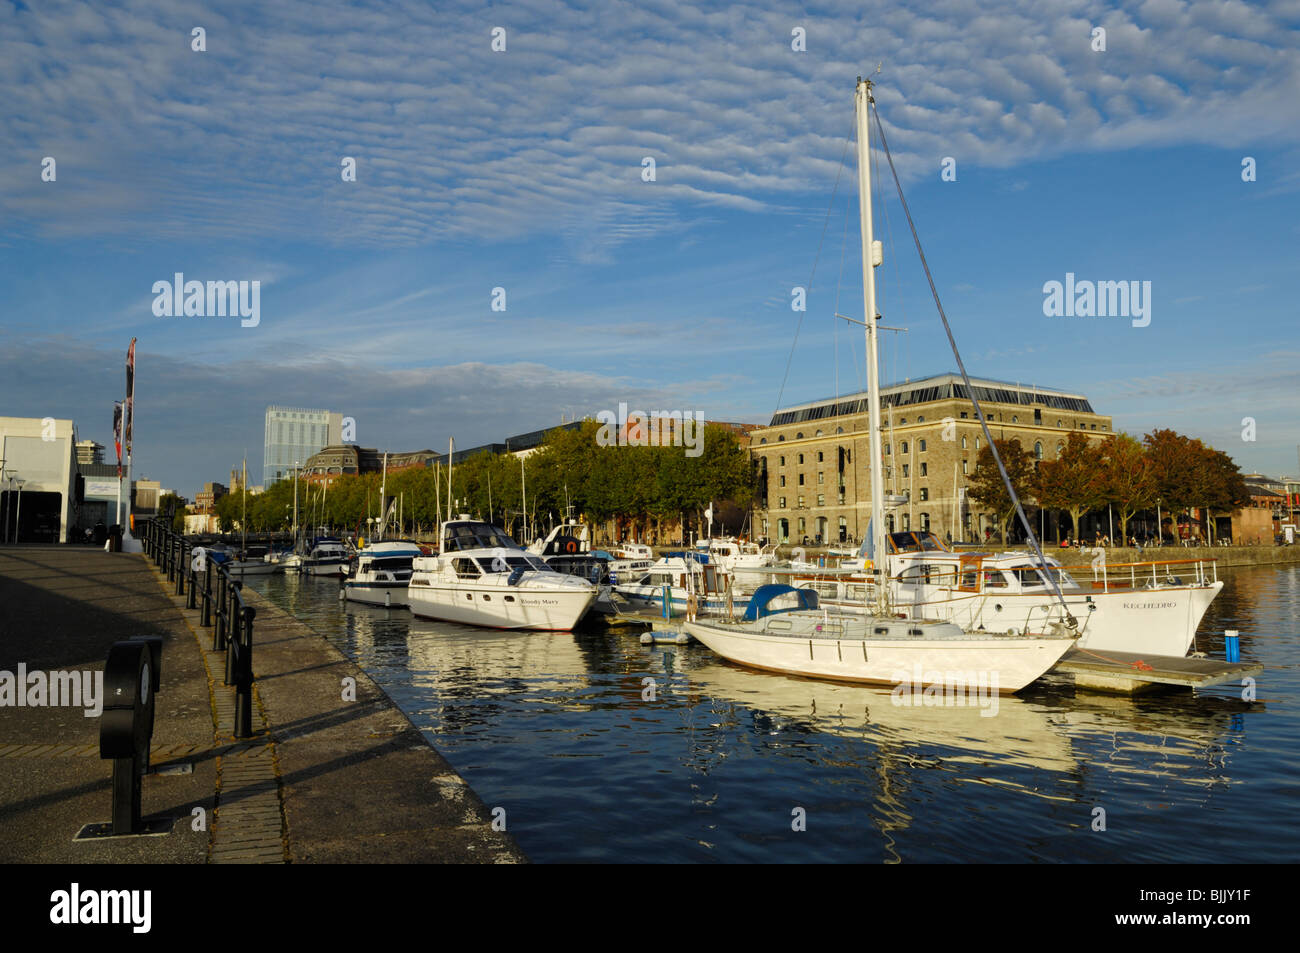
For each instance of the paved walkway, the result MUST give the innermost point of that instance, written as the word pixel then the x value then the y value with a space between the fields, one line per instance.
pixel 324 780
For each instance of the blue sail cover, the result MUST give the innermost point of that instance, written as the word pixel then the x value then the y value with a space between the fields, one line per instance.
pixel 763 595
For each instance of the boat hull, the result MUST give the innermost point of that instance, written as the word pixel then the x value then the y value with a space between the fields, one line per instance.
pixel 1006 663
pixel 501 607
pixel 390 595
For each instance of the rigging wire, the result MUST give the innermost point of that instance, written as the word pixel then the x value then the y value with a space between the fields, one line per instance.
pixel 829 205
pixel 970 391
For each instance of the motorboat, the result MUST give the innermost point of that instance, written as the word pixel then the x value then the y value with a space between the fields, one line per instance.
pixel 381 573
pixel 691 584
pixel 483 577
pixel 735 555
pixel 255 561
pixel 328 556
pixel 566 549
pixel 1149 607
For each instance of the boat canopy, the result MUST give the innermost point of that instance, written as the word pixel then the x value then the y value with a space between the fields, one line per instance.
pixel 473 534
pixel 916 542
pixel 764 595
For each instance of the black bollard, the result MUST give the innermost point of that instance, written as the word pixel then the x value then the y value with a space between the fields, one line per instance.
pixel 126 726
pixel 206 618
pixel 244 676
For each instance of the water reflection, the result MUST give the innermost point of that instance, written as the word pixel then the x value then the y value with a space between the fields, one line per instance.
pixel 556 727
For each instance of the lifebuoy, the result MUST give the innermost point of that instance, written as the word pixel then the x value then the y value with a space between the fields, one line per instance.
pixel 571 546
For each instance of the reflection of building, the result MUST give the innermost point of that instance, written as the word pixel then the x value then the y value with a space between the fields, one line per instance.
pixel 292 435
pixel 38 479
pixel 814 479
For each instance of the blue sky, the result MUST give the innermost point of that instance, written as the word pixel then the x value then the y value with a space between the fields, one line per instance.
pixel 522 169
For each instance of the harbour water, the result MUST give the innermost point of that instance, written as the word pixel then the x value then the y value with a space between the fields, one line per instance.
pixel 724 764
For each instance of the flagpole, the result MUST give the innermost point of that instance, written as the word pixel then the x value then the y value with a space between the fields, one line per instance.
pixel 129 543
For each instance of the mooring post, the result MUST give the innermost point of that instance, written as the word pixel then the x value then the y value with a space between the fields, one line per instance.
pixel 235 632
pixel 206 618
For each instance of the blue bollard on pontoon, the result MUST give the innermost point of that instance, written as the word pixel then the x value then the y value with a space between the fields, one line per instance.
pixel 1231 646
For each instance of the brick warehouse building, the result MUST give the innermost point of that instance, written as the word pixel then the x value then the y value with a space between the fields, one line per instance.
pixel 813 477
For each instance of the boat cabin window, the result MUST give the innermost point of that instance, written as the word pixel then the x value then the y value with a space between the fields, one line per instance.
pixel 993 579
pixel 463 536
pixel 391 563
pixel 465 568
pixel 921 542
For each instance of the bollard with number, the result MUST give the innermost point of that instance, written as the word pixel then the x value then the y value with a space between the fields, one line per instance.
pixel 131 677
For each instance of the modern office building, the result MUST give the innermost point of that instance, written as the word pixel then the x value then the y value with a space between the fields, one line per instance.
pixel 89 452
pixel 38 478
pixel 292 435
pixel 813 459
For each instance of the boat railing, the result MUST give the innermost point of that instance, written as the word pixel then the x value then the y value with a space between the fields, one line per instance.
pixel 1153 574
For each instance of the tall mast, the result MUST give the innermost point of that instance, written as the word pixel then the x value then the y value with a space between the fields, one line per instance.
pixel 383 498
pixel 862 97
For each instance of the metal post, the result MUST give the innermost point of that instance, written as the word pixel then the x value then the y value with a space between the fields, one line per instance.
pixel 206 618
pixel 219 630
pixel 235 632
pixel 182 560
pixel 190 598
pixel 244 677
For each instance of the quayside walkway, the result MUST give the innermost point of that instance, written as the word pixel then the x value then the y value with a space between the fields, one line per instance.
pixel 322 780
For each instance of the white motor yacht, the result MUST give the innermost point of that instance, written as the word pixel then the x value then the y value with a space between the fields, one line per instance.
pixel 482 577
pixel 693 586
pixel 328 557
pixel 1149 607
pixel 381 573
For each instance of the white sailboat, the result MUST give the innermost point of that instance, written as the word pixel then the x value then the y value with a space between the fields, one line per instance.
pixel 877 647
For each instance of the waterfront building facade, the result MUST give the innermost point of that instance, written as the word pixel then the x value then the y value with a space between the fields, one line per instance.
pixel 292 435
pixel 38 479
pixel 814 484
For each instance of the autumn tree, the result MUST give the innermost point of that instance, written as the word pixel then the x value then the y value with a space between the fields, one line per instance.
pixel 1071 482
pixel 987 488
pixel 1126 479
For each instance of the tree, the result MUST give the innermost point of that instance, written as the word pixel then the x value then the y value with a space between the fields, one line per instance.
pixel 1126 479
pixel 987 488
pixel 1070 482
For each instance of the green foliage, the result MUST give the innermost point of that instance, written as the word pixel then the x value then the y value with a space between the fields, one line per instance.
pixel 569 469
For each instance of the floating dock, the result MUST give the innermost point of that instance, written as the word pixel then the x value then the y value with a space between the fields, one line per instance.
pixel 1127 673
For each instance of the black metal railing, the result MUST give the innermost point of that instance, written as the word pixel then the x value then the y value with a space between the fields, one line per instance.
pixel 219 599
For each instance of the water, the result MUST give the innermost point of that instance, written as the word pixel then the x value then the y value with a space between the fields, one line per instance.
pixel 552 727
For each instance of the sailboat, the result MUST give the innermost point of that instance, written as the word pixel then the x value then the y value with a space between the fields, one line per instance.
pixel 784 629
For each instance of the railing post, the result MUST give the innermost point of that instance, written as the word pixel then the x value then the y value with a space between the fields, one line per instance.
pixel 244 675
pixel 192 596
pixel 182 560
pixel 235 632
pixel 206 618
pixel 219 630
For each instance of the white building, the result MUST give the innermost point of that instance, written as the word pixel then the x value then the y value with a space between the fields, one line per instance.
pixel 292 435
pixel 38 477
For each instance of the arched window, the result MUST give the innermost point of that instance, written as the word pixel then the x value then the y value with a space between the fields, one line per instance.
pixel 925 522
pixel 817 434
pixel 1015 419
pixel 901 421
pixel 920 420
pixel 839 430
pixel 799 435
pixel 762 440
pixel 1038 450
pixel 1060 448
pixel 963 441
pixel 781 439
pixel 801 458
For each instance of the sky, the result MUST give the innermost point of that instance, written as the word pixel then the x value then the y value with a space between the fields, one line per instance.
pixel 1171 156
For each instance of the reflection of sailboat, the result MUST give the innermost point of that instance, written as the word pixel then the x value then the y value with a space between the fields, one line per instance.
pixel 1018 733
